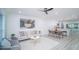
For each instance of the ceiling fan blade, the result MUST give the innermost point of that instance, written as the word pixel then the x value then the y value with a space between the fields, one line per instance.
pixel 50 9
pixel 46 12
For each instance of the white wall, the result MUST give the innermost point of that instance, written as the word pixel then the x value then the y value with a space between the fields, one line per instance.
pixel 13 24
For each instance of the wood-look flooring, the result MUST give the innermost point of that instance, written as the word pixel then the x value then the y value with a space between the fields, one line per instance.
pixel 65 43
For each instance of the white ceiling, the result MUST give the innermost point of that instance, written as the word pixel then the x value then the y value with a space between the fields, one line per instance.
pixel 56 13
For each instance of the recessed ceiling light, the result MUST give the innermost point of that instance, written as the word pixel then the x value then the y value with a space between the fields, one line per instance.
pixel 19 11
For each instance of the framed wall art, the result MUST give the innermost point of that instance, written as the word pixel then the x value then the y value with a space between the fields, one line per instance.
pixel 27 23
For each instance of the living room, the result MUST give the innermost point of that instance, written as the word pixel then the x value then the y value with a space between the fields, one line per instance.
pixel 42 28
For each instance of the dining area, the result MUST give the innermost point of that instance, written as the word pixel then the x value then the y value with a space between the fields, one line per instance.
pixel 57 32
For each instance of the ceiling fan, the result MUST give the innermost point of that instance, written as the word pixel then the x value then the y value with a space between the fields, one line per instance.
pixel 46 10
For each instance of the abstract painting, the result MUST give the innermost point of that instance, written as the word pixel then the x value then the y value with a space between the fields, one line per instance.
pixel 27 23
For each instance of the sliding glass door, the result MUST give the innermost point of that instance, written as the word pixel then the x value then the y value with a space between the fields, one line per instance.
pixel 1 27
